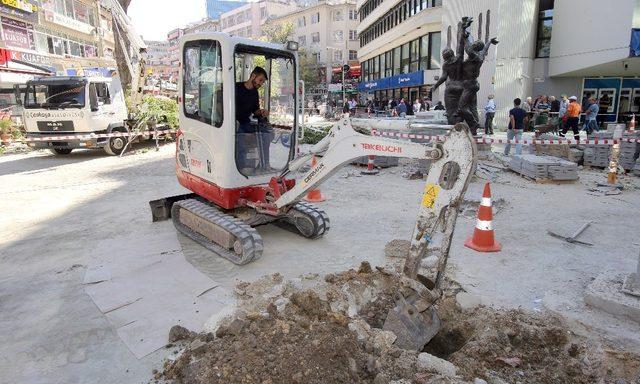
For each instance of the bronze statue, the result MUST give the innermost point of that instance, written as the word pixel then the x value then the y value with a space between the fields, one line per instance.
pixel 461 76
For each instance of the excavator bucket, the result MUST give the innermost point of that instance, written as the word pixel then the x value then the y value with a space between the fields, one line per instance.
pixel 414 319
pixel 413 328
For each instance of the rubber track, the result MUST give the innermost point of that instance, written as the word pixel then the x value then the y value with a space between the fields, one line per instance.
pixel 249 238
pixel 320 219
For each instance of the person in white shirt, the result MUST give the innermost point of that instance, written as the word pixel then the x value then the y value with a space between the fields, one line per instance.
pixel 417 106
pixel 489 112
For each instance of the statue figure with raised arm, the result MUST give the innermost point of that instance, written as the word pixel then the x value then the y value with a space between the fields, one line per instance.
pixel 476 53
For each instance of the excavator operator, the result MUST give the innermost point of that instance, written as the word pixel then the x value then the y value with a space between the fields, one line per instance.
pixel 247 105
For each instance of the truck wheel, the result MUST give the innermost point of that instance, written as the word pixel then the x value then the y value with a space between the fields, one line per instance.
pixel 116 145
pixel 61 151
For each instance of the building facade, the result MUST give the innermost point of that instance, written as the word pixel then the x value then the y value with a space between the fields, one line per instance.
pixel 159 60
pixel 64 37
pixel 173 38
pixel 327 33
pixel 247 20
pixel 205 25
pixel 546 47
pixel 215 8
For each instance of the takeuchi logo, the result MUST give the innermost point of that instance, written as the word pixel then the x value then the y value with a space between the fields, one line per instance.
pixel 371 85
pixel 404 79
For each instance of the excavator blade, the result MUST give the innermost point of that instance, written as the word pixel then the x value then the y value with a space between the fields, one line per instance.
pixel 414 319
pixel 161 208
pixel 220 233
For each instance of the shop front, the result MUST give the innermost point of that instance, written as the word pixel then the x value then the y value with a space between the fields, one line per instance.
pixel 618 97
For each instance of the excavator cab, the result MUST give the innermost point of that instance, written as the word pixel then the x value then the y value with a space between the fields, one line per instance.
pixel 217 157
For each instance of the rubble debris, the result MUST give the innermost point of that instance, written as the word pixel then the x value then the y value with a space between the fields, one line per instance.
pixel 332 333
pixel 177 333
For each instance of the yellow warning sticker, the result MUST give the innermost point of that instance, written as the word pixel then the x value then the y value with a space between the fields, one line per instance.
pixel 431 192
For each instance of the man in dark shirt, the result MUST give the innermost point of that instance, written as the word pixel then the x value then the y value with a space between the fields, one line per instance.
pixel 516 126
pixel 248 104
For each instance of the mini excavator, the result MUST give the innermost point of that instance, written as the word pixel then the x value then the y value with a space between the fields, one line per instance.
pixel 242 179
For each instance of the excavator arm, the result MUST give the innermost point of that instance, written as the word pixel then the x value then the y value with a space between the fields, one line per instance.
pixel 413 320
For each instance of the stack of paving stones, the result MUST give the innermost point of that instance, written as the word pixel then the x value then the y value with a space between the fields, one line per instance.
pixel 544 167
pixel 598 155
pixel 629 152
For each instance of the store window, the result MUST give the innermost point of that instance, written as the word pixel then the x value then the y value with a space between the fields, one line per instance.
pixel 414 53
pixel 80 12
pixel 424 52
pixel 545 24
pixel 388 69
pixel 434 50
pixel 396 61
pixel 405 60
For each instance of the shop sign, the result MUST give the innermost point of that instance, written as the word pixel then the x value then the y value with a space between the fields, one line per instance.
pixel 407 80
pixel 374 85
pixel 30 58
pixel 18 34
pixel 68 22
pixel 22 8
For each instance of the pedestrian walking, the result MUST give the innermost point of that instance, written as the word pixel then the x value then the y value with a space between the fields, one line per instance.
pixel 516 126
pixel 417 106
pixel 489 112
pixel 590 123
pixel 401 109
pixel 573 118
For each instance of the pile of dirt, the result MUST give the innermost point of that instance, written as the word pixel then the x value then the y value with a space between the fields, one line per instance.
pixel 283 332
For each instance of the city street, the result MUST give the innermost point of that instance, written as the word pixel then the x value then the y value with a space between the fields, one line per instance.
pixel 62 214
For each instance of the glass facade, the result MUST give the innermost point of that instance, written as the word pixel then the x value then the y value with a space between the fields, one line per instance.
pixel 417 55
pixel 398 14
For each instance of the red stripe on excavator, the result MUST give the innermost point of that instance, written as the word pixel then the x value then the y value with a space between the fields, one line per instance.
pixel 227 198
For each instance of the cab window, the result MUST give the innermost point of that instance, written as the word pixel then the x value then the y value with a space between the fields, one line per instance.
pixel 202 90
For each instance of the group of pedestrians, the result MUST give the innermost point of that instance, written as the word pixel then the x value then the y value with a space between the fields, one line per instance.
pixel 567 113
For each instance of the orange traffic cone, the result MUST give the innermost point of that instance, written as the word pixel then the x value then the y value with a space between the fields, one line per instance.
pixel 482 239
pixel 314 195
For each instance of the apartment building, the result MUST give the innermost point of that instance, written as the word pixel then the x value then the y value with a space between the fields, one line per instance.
pixel 572 47
pixel 327 31
pixel 173 38
pixel 215 8
pixel 247 20
pixel 204 25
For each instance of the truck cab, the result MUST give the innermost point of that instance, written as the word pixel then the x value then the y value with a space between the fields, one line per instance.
pixel 75 108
